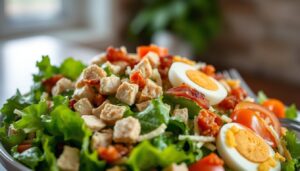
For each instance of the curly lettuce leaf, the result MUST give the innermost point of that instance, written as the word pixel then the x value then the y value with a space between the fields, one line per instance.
pixel 46 69
pixel 71 68
pixel 293 145
pixel 145 156
pixel 31 117
pixel 12 140
pixel 48 144
pixel 18 101
pixel 30 157
pixel 153 116
pixel 291 112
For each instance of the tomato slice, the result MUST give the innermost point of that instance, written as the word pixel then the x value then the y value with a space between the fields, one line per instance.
pixel 138 79
pixel 190 93
pixel 143 50
pixel 276 106
pixel 250 119
pixel 209 163
pixel 209 123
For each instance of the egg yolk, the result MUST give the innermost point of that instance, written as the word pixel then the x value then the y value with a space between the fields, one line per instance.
pixel 251 147
pixel 267 165
pixel 230 139
pixel 201 79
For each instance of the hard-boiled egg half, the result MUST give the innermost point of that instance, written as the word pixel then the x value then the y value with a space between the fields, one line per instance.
pixel 183 73
pixel 242 149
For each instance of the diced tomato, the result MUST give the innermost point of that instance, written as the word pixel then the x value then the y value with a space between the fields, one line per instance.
pixel 165 63
pixel 109 154
pixel 137 78
pixel 209 123
pixel 209 70
pixel 189 93
pixel 24 146
pixel 143 50
pixel 276 106
pixel 113 55
pixel 209 163
pixel 50 82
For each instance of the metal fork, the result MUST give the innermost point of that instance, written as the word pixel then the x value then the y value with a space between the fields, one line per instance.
pixel 234 74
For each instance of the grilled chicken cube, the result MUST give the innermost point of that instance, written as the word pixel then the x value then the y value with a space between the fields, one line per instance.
pixel 111 113
pixel 153 59
pixel 127 92
pixel 97 111
pixel 69 159
pixel 109 85
pixel 62 85
pixel 144 67
pixel 92 122
pixel 127 130
pixel 182 114
pixel 150 91
pixel 142 106
pixel 93 72
pixel 84 92
pixel 83 106
pixel 99 59
pixel 101 139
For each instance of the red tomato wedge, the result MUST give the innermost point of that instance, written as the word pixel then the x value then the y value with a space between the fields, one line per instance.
pixel 143 50
pixel 276 106
pixel 209 163
pixel 190 93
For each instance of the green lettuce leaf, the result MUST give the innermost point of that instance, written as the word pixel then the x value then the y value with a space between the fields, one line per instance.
pixel 31 118
pixel 293 145
pixel 289 165
pixel 153 116
pixel 145 156
pixel 261 97
pixel 46 70
pixel 193 107
pixel 177 126
pixel 71 68
pixel 49 144
pixel 60 100
pixel 15 102
pixel 30 157
pixel 291 112
pixel 12 140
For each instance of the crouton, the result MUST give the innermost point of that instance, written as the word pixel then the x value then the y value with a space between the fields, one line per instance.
pixel 84 92
pixel 111 113
pixel 150 91
pixel 144 67
pixel 109 85
pixel 156 77
pixel 99 59
pixel 153 59
pixel 142 106
pixel 176 167
pixel 92 122
pixel 97 111
pixel 83 106
pixel 182 114
pixel 101 139
pixel 127 130
pixel 62 85
pixel 127 92
pixel 69 159
pixel 93 72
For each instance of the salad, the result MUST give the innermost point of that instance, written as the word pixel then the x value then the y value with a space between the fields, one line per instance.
pixel 145 111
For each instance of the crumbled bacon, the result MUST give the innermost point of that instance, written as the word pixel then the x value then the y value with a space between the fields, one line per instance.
pixel 49 83
pixel 209 123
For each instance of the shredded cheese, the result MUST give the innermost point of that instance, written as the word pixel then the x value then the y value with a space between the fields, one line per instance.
pixel 161 129
pixel 199 138
pixel 18 112
pixel 226 119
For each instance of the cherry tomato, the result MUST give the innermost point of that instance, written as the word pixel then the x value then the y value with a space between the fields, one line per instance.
pixel 276 106
pixel 138 79
pixel 209 163
pixel 209 123
pixel 250 119
pixel 143 50
pixel 113 55
pixel 190 93
pixel 109 154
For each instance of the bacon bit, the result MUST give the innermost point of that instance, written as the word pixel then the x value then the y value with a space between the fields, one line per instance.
pixel 209 122
pixel 189 93
pixel 98 100
pixel 138 79
pixel 209 70
pixel 23 146
pixel 50 82
pixel 109 154
pixel 94 82
pixel 236 96
pixel 165 63
pixel 239 93
pixel 72 103
pixel 114 54
pixel 122 149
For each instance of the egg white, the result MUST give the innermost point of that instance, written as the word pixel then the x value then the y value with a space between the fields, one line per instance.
pixel 177 76
pixel 233 158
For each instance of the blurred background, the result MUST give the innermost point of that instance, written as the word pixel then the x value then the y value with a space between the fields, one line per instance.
pixel 259 38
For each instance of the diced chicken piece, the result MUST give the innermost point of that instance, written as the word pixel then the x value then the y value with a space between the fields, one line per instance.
pixel 181 114
pixel 99 59
pixel 69 159
pixel 175 167
pixel 122 65
pixel 62 85
pixel 101 139
pixel 83 106
pixel 127 92
pixel 84 92
pixel 11 130
pixel 153 59
pixel 156 77
pixel 109 85
pixel 150 91
pixel 79 82
pixel 92 122
pixel 111 113
pixel 93 72
pixel 115 69
pixel 97 111
pixel 144 67
pixel 142 106
pixel 127 130
pixel 115 168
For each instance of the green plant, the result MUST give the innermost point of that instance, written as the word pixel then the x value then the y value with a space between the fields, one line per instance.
pixel 196 21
